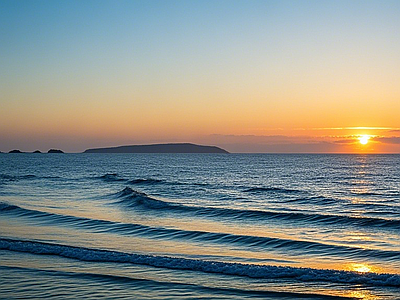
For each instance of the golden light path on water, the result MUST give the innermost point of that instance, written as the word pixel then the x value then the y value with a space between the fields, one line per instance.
pixel 362 294
pixel 361 267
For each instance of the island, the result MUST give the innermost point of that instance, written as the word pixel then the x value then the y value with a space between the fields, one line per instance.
pixel 55 151
pixel 159 148
pixel 16 151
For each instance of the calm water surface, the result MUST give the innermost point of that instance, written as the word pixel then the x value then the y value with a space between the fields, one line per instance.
pixel 199 226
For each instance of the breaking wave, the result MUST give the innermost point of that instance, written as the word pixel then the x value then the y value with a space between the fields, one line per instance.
pixel 235 269
pixel 133 198
pixel 260 243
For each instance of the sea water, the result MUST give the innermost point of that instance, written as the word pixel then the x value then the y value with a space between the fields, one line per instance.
pixel 199 226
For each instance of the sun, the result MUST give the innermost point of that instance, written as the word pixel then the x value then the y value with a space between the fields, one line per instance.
pixel 364 139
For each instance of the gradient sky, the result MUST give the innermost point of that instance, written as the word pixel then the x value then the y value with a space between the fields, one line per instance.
pixel 249 76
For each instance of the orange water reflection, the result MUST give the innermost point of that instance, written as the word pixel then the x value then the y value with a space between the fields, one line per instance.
pixel 362 294
pixel 362 268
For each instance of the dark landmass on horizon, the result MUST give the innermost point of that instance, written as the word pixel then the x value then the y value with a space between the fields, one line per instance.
pixel 55 151
pixel 15 151
pixel 36 151
pixel 159 148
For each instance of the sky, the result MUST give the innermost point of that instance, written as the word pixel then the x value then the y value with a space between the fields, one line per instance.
pixel 248 76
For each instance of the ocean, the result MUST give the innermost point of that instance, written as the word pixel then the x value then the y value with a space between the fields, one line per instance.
pixel 199 226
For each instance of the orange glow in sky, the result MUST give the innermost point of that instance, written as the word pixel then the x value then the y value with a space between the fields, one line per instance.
pixel 283 76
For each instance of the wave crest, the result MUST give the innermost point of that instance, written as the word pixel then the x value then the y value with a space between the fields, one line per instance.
pixel 110 177
pixel 255 242
pixel 260 190
pixel 236 269
pixel 148 181
pixel 133 198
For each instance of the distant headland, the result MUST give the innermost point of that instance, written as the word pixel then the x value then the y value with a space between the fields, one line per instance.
pixel 159 148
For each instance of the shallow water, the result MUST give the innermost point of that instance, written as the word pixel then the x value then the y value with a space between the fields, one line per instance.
pixel 199 226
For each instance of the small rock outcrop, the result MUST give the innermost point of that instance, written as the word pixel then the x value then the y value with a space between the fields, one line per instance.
pixel 15 151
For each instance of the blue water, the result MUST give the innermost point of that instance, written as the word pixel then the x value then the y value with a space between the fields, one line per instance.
pixel 199 226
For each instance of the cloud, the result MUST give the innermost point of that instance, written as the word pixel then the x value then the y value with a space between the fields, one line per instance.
pixel 388 140
pixel 277 144
pixel 352 128
pixel 346 141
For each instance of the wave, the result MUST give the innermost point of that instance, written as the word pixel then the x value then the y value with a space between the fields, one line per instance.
pixel 260 243
pixel 110 177
pixel 135 199
pixel 114 177
pixel 380 195
pixel 235 269
pixel 369 208
pixel 177 286
pixel 8 207
pixel 148 181
pixel 132 198
pixel 368 194
pixel 15 178
pixel 5 177
pixel 260 190
pixel 313 200
pixel 153 181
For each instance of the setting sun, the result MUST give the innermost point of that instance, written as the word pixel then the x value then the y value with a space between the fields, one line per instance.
pixel 364 139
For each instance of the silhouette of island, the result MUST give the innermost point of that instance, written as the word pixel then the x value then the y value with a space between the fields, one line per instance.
pixel 36 151
pixel 15 151
pixel 159 148
pixel 55 151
